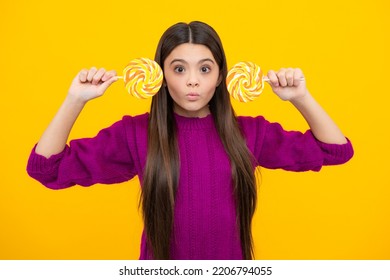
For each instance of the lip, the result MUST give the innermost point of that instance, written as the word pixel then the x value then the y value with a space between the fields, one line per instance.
pixel 192 96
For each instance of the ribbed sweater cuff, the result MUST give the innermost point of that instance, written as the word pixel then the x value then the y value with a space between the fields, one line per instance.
pixel 39 164
pixel 336 153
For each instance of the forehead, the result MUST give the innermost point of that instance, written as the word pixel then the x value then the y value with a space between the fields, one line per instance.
pixel 190 53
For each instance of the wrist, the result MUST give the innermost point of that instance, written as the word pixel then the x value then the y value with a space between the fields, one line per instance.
pixel 302 101
pixel 75 101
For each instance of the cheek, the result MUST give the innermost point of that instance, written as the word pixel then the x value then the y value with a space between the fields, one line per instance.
pixel 172 81
pixel 215 82
pixel 173 87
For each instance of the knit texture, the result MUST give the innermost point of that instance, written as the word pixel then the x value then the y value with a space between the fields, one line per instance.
pixel 205 214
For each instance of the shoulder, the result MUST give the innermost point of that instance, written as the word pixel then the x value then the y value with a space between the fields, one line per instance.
pixel 138 119
pixel 135 123
pixel 250 124
pixel 253 129
pixel 257 129
pixel 128 124
pixel 250 119
pixel 136 130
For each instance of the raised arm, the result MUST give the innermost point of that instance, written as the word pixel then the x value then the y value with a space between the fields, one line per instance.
pixel 288 84
pixel 87 85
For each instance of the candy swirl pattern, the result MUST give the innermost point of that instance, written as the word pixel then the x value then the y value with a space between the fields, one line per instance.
pixel 143 77
pixel 245 81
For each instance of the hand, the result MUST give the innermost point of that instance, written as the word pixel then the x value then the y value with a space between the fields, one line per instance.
pixel 288 83
pixel 90 84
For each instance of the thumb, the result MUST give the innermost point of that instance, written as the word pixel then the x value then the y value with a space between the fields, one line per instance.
pixel 104 86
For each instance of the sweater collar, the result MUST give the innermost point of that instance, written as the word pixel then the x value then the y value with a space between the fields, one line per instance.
pixel 190 123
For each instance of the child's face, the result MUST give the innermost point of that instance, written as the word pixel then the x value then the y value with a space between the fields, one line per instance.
pixel 191 75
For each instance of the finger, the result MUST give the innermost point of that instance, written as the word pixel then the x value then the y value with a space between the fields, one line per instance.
pixel 106 84
pixel 96 79
pixel 91 73
pixel 273 79
pixel 298 76
pixel 290 77
pixel 83 75
pixel 282 77
pixel 108 75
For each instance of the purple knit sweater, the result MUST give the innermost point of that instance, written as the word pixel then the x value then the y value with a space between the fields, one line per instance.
pixel 205 215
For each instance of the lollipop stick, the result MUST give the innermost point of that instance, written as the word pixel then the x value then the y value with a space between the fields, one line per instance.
pixel 119 77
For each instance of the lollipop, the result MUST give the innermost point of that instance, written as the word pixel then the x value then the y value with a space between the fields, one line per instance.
pixel 143 77
pixel 245 81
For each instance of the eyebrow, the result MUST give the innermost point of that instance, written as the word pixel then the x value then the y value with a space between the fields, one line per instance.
pixel 185 62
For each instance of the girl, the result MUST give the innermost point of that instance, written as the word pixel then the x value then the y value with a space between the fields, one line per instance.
pixel 195 159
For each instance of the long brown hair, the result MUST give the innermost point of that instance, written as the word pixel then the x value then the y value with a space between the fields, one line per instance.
pixel 161 173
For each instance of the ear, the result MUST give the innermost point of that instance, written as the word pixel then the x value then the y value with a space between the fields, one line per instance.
pixel 219 80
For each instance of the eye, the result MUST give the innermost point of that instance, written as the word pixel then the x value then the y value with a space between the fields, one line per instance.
pixel 179 69
pixel 205 69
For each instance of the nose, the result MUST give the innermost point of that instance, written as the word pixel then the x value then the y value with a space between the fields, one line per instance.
pixel 193 80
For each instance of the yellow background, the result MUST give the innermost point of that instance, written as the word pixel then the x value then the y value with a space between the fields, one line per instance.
pixel 342 212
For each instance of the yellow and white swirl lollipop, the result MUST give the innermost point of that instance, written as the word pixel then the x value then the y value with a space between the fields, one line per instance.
pixel 143 77
pixel 245 81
